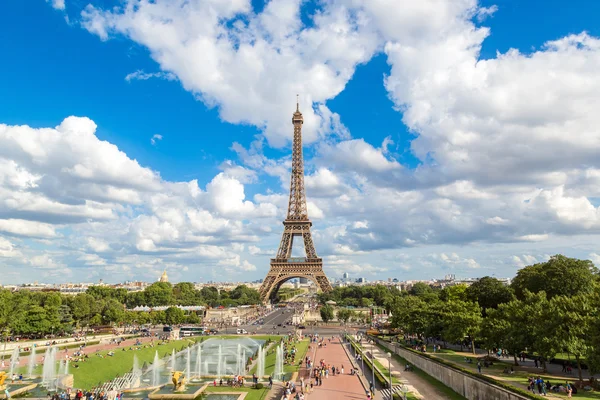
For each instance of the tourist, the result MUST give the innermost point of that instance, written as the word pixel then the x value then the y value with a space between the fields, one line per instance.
pixel 342 369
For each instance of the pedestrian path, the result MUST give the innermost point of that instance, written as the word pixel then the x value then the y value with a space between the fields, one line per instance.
pixel 337 387
pixel 418 386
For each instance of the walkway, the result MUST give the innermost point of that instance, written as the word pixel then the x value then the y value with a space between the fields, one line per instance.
pixel 339 386
pixel 417 385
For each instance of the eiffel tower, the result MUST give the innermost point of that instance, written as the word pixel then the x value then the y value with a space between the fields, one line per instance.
pixel 284 267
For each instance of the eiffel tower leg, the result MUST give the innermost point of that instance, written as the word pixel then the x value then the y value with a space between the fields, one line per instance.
pixel 267 287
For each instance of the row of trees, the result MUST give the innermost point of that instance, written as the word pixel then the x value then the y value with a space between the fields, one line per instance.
pixel 360 296
pixel 183 294
pixel 35 314
pixel 549 308
pixel 328 313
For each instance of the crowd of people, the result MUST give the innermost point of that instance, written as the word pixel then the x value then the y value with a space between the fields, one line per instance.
pixel 542 387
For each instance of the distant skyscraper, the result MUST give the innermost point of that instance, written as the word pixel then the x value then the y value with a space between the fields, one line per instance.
pixel 303 281
pixel 346 275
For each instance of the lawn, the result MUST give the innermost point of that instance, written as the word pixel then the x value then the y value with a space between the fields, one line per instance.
pixel 386 372
pixel 96 369
pixel 302 347
pixel 253 394
pixel 519 379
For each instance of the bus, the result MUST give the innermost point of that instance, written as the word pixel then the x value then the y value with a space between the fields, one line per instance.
pixel 186 331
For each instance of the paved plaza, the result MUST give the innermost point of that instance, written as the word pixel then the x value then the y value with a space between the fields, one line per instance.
pixel 344 386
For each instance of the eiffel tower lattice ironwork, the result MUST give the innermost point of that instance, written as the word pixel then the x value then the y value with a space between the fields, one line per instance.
pixel 297 224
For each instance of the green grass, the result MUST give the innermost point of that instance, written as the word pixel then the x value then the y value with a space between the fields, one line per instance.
pixel 96 369
pixel 386 372
pixel 253 394
pixel 448 393
pixel 518 380
pixel 301 346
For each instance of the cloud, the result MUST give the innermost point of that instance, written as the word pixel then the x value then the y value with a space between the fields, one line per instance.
pixel 488 137
pixel 57 4
pixel 252 70
pixel 154 139
pixel 484 12
pixel 8 249
pixel 140 75
pixel 20 227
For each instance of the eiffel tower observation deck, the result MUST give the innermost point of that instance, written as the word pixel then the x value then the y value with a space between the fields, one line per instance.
pixel 297 224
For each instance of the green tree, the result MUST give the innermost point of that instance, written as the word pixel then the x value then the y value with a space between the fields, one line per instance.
pixel 510 325
pixel 489 292
pixel 113 311
pixel 83 308
pixel 193 318
pixel 185 294
pixel 559 276
pixel 37 322
pixel 461 319
pixel 573 319
pixel 159 294
pixel 454 293
pixel 174 316
pixel 408 314
pixel 424 292
pixel 327 313
pixel 343 314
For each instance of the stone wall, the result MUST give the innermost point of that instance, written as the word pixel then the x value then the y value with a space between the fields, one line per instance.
pixel 464 384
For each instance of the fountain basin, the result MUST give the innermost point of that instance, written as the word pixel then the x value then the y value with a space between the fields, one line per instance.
pixel 226 396
pixel 16 390
pixel 166 392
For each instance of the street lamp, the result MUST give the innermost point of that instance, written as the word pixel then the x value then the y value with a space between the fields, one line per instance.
pixel 389 356
pixel 404 390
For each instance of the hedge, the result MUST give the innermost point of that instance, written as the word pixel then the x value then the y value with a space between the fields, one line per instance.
pixel 482 377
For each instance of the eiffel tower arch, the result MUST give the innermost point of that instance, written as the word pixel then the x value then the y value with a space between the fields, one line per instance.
pixel 296 225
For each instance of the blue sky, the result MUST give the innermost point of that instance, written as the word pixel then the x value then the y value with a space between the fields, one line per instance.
pixel 456 152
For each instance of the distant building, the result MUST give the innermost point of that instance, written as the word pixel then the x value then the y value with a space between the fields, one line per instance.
pixel 361 280
pixel 345 276
pixel 303 281
pixel 164 277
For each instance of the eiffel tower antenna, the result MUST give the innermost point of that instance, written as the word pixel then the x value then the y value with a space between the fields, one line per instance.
pixel 296 224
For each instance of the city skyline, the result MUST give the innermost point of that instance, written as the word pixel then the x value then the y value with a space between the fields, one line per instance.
pixel 452 137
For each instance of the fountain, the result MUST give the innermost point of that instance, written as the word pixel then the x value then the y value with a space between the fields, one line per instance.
pixel 66 371
pixel 14 361
pixel 156 370
pixel 188 369
pixel 243 363
pixel 199 362
pixel 49 369
pixel 136 373
pixel 31 364
pixel 260 369
pixel 219 359
pixel 173 360
pixel 278 373
pixel 238 359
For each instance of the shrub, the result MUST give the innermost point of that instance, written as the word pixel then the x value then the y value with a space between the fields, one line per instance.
pixel 259 386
